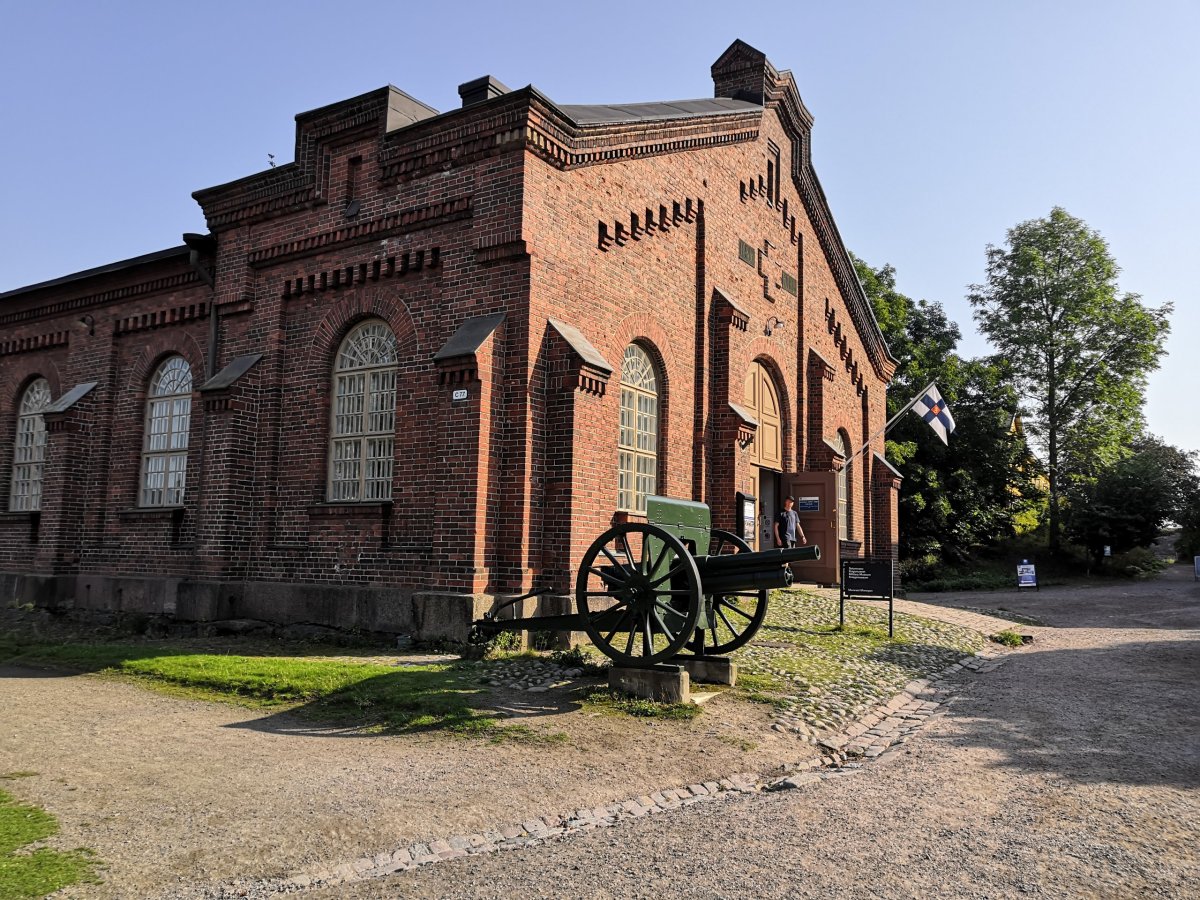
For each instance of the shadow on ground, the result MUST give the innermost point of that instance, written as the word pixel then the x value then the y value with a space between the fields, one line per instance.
pixel 1128 713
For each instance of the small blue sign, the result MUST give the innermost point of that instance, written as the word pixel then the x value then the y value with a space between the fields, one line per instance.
pixel 808 504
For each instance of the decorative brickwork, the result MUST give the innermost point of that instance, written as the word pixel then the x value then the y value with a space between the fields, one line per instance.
pixel 514 248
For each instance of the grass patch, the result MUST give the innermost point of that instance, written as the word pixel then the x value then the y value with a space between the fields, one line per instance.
pixel 380 698
pixel 1008 638
pixel 604 700
pixel 41 871
pixel 13 776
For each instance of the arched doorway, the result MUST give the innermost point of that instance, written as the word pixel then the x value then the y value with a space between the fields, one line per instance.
pixel 761 398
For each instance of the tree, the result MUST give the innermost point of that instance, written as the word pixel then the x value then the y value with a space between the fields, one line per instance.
pixel 953 499
pixel 1080 351
pixel 1127 503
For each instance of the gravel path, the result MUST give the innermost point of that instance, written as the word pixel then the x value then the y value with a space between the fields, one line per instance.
pixel 1071 770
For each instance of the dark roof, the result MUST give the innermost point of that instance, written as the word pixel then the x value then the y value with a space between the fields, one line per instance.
pixel 665 109
pixel 470 336
pixel 100 270
pixel 70 398
pixel 232 372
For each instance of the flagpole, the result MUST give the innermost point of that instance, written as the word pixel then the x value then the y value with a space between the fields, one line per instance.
pixel 890 422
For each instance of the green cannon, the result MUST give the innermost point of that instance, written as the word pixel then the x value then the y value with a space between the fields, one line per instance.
pixel 673 585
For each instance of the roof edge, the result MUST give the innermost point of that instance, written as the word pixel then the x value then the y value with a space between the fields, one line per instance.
pixel 108 269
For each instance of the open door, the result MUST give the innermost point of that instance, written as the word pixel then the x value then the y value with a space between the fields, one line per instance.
pixel 816 504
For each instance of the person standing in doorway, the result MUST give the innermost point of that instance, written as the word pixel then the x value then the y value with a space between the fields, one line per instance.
pixel 788 532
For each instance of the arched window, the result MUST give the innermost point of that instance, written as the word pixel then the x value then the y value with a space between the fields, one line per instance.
pixel 363 433
pixel 29 449
pixel 165 446
pixel 843 488
pixel 637 453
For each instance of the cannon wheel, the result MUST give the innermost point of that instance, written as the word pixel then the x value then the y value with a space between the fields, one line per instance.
pixel 638 594
pixel 736 617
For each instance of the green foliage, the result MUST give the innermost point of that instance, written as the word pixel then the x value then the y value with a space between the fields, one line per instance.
pixel 1139 562
pixel 579 657
pixel 42 871
pixel 1187 545
pixel 1008 638
pixel 1080 352
pixel 609 701
pixel 984 487
pixel 1127 503
pixel 368 695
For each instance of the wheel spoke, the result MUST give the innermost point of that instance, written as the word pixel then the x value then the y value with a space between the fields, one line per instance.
pixel 741 612
pixel 629 643
pixel 662 626
pixel 619 626
pixel 658 562
pixel 647 636
pixel 676 570
pixel 616 562
pixel 633 567
pixel 611 578
pixel 727 623
pixel 669 608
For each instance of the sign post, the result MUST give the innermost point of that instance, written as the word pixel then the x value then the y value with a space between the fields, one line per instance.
pixel 871 579
pixel 1196 571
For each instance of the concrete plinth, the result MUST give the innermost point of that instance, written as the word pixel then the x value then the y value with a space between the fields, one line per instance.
pixel 710 669
pixel 666 684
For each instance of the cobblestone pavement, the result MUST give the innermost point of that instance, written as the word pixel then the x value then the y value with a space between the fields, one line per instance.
pixel 1068 767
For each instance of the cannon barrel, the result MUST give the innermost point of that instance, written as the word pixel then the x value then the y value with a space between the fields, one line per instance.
pixel 753 562
pixel 754 580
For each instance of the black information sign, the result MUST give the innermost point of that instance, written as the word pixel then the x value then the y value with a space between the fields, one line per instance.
pixel 866 578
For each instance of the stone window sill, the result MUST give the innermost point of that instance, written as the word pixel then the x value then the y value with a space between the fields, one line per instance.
pixel 371 509
pixel 152 512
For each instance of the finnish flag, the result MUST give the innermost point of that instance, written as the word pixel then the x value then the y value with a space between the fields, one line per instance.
pixel 933 409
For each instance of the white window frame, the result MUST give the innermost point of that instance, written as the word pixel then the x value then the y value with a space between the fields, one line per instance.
pixel 29 448
pixel 167 424
pixel 637 441
pixel 362 416
pixel 843 489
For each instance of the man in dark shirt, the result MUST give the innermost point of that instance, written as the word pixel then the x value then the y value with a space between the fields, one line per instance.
pixel 788 532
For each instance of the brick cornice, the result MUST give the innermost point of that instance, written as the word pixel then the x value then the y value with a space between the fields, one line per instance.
pixel 404 221
pixel 126 292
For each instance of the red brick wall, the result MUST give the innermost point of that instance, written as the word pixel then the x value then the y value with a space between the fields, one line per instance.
pixel 476 212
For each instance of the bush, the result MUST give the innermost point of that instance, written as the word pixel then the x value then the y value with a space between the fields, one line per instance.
pixel 1140 562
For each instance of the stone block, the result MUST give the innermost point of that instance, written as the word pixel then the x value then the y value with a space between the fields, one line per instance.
pixel 666 684
pixel 711 669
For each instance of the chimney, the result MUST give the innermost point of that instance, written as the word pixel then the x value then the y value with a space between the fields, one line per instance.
pixel 480 90
pixel 740 73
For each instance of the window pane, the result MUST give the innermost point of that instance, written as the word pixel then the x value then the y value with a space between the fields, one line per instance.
pixel 638 470
pixel 362 447
pixel 165 441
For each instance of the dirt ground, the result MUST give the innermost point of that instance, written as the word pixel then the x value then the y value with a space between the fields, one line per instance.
pixel 1073 770
pixel 176 792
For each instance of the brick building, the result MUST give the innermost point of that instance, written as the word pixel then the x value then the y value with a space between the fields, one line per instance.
pixel 428 361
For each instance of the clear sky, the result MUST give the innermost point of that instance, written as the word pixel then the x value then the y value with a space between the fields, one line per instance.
pixel 939 125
